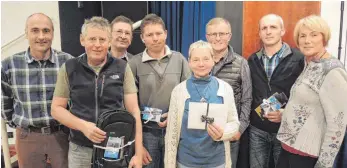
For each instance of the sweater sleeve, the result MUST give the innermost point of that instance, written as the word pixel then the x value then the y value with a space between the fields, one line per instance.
pixel 246 98
pixel 332 97
pixel 171 136
pixel 233 123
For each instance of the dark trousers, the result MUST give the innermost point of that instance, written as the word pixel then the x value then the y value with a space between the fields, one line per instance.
pixel 290 160
pixel 153 141
pixel 35 150
pixel 264 148
pixel 243 158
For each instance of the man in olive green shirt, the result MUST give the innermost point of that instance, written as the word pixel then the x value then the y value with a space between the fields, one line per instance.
pixel 94 82
pixel 62 85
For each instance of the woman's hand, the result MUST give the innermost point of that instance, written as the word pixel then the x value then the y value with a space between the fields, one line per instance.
pixel 215 131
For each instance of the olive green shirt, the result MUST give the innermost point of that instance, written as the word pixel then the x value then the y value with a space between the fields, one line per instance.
pixel 62 85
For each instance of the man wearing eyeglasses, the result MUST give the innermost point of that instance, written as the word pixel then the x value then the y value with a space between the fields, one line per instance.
pixel 232 68
pixel 122 35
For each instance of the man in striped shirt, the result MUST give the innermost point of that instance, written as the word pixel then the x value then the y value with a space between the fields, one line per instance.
pixel 27 84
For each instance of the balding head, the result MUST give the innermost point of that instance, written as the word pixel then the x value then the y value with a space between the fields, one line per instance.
pixel 39 32
pixel 272 17
pixel 38 16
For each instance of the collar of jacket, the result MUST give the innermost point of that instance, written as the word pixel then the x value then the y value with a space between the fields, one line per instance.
pixel 230 57
pixel 287 51
pixel 84 61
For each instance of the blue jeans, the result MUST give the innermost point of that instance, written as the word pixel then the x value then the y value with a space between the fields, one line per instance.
pixel 341 158
pixel 235 146
pixel 153 140
pixel 262 145
pixel 79 156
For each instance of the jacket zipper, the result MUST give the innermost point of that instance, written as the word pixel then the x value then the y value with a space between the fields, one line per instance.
pixel 96 99
pixel 267 79
pixel 102 85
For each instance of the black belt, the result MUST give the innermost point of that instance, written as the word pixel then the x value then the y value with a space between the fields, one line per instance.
pixel 44 130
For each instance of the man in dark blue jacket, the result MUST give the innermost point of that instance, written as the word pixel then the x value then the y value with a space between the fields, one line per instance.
pixel 274 68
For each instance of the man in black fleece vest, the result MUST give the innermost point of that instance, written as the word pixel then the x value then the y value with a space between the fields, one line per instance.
pixel 94 82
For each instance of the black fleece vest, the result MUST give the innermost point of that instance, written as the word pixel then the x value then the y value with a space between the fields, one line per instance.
pixel 92 94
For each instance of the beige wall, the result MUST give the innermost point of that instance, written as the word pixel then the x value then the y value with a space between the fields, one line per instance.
pixel 330 11
pixel 13 17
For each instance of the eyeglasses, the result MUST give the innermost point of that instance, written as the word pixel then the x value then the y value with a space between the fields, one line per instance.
pixel 121 32
pixel 220 34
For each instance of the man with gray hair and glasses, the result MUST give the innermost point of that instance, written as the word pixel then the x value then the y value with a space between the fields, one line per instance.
pixel 89 82
pixel 233 69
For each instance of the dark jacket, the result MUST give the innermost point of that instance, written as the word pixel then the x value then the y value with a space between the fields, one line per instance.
pixel 91 93
pixel 234 70
pixel 283 77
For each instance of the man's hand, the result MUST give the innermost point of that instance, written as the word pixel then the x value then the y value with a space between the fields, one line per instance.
pixel 146 158
pixel 164 123
pixel 275 116
pixel 236 137
pixel 215 131
pixel 93 133
pixel 135 162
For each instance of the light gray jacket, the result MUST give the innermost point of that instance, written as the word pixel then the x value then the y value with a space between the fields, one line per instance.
pixel 314 120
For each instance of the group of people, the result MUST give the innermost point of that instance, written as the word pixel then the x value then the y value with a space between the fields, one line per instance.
pixel 43 89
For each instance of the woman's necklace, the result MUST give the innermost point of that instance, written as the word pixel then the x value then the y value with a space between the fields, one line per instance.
pixel 315 58
pixel 203 97
pixel 320 56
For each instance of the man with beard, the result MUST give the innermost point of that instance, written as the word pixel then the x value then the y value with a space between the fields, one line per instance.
pixel 122 35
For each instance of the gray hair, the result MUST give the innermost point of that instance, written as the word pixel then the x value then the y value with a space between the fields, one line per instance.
pixel 96 22
pixel 218 20
pixel 273 15
pixel 200 44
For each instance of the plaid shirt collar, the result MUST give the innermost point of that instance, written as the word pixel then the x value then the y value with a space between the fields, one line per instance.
pixel 31 59
pixel 270 63
pixel 277 55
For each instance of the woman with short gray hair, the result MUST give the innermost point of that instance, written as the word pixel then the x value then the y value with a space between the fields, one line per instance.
pixel 195 139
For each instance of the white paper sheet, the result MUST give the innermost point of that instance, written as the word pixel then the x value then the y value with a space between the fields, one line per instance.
pixel 216 111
